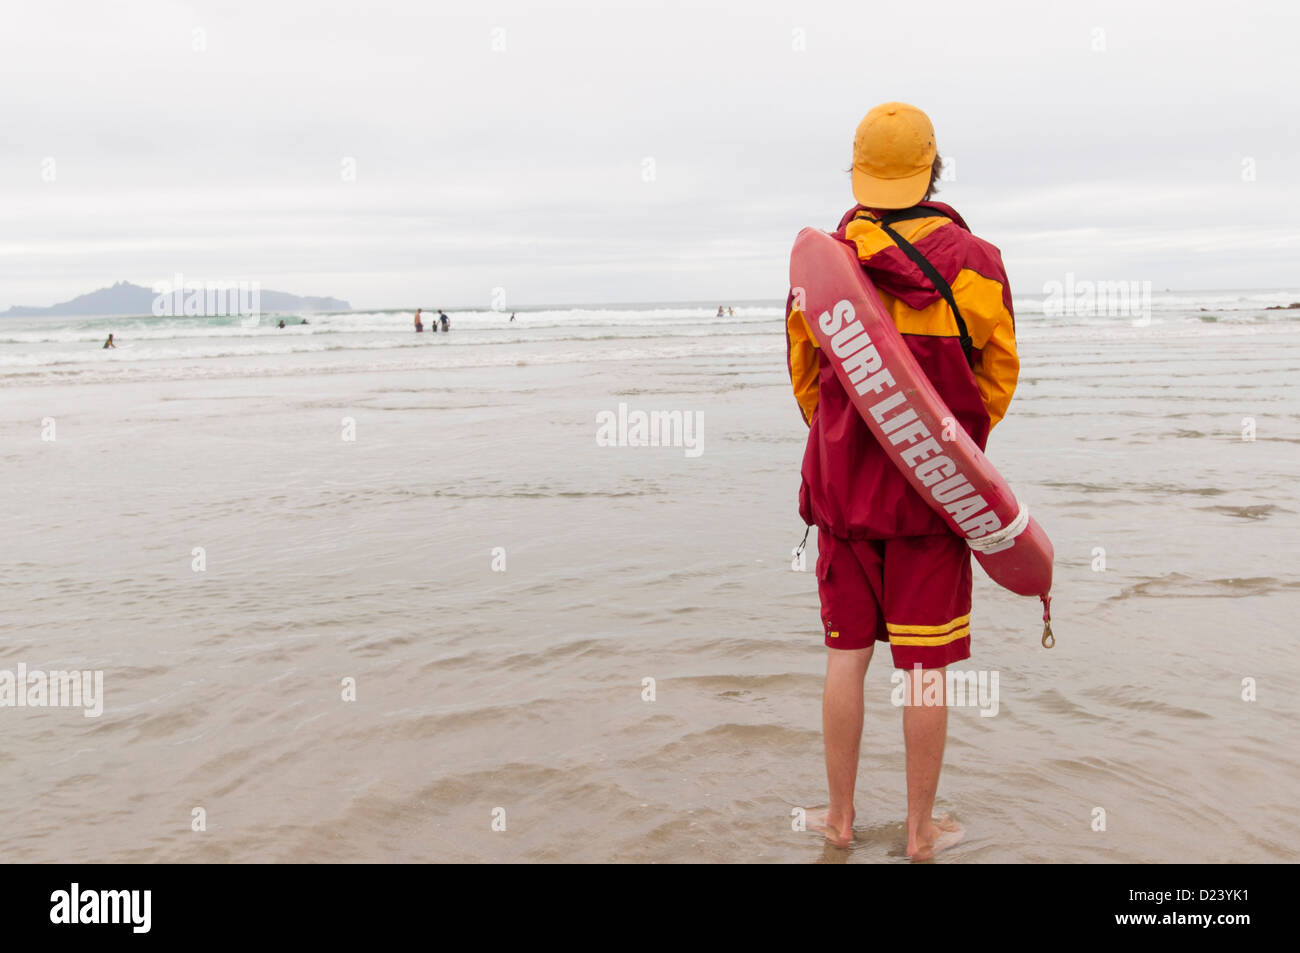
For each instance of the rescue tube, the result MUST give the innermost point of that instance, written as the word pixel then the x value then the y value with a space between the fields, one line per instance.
pixel 900 406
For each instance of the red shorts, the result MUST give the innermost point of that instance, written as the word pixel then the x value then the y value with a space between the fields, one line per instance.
pixel 912 592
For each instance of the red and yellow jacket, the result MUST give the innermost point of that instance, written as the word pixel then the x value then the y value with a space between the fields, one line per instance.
pixel 850 488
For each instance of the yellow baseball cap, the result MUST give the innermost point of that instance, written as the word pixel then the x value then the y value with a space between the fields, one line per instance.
pixel 893 151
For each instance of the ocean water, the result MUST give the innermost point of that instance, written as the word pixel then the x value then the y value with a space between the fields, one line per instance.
pixel 363 595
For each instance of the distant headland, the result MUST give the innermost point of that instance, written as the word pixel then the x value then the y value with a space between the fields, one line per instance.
pixel 124 299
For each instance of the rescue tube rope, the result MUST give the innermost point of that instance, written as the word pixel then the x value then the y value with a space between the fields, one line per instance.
pixel 993 540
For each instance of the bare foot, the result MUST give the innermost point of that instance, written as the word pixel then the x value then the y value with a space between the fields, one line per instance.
pixel 938 834
pixel 839 832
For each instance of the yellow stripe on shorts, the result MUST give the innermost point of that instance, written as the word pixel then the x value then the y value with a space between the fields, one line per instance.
pixel 929 639
pixel 926 629
pixel 950 631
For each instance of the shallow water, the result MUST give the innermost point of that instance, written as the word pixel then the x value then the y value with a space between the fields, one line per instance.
pixel 522 690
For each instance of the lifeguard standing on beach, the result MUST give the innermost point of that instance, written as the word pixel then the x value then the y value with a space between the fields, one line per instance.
pixel 888 568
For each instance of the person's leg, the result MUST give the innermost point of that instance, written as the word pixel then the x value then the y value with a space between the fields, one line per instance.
pixel 927 608
pixel 848 582
pixel 925 730
pixel 842 712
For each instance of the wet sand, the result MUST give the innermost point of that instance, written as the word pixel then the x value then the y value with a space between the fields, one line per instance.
pixel 515 698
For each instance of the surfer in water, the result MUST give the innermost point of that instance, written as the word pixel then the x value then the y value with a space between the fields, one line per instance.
pixel 109 344
pixel 888 567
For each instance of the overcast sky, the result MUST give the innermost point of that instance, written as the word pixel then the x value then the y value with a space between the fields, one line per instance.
pixel 629 151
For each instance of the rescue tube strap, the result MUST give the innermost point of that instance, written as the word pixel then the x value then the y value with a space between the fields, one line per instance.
pixel 1048 639
pixel 995 539
pixel 936 279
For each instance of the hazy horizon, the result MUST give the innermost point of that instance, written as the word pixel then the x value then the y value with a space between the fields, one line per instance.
pixel 552 305
pixel 556 154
